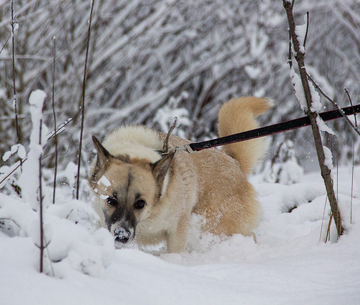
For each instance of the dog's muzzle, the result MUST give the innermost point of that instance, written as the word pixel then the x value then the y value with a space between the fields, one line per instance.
pixel 122 235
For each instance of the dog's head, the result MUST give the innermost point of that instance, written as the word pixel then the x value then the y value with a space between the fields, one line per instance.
pixel 128 189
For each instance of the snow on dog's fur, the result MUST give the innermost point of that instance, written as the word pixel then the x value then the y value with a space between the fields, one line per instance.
pixel 150 198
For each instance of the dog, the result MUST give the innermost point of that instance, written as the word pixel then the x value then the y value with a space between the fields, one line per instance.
pixel 143 195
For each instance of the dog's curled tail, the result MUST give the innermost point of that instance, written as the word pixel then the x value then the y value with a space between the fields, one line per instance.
pixel 239 115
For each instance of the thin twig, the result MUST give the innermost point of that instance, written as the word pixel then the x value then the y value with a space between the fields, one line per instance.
pixel 353 163
pixel 334 104
pixel 6 218
pixel 83 101
pixel 5 43
pixel 13 72
pixel 166 142
pixel 289 55
pixel 46 244
pixel 350 100
pixel 69 214
pixel 337 172
pixel 48 253
pixel 54 115
pixel 41 208
pixel 352 185
pixel 328 229
pixel 58 131
pixel 307 28
pixel 323 218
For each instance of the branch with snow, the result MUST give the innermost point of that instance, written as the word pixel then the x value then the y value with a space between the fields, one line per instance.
pixel 313 104
pixel 28 182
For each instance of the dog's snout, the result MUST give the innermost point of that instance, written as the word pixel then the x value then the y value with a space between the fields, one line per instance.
pixel 122 235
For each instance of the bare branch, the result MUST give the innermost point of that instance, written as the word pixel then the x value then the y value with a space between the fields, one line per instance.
pixel 335 104
pixel 353 164
pixel 41 207
pixel 1 219
pixel 290 53
pixel 349 97
pixel 5 43
pixel 54 115
pixel 307 28
pixel 13 71
pixel 166 141
pixel 313 115
pixel 83 101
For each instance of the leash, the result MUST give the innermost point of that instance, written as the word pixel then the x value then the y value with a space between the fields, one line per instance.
pixel 268 130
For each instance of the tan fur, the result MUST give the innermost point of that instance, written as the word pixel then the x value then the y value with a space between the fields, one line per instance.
pixel 210 183
pixel 239 115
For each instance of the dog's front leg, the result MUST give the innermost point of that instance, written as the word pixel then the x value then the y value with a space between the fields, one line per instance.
pixel 176 239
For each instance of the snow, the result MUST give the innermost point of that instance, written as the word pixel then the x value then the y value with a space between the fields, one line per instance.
pixel 104 181
pixel 284 168
pixel 258 43
pixel 323 127
pixel 298 88
pixel 165 115
pixel 15 149
pixel 69 234
pixel 289 263
pixel 316 105
pixel 300 31
pixel 16 26
pixel 27 182
pixel 328 158
pixel 253 72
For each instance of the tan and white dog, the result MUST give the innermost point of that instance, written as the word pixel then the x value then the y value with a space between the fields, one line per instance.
pixel 145 196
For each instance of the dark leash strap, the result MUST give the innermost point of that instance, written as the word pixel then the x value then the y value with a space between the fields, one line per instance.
pixel 269 130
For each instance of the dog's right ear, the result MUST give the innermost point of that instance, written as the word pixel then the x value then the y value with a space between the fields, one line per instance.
pixel 161 167
pixel 103 156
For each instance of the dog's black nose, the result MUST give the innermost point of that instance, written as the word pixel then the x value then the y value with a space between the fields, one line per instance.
pixel 122 235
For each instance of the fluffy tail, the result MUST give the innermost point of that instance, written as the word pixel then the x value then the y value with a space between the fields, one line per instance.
pixel 240 115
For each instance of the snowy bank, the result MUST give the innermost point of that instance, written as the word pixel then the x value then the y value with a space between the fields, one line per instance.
pixel 287 265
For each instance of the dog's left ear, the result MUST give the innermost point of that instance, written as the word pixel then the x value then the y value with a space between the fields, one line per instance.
pixel 161 167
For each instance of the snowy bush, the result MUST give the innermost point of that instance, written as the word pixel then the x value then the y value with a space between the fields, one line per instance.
pixel 69 235
pixel 165 116
pixel 284 168
pixel 68 239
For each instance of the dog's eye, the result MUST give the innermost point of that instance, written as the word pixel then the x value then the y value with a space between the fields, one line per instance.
pixel 112 201
pixel 139 204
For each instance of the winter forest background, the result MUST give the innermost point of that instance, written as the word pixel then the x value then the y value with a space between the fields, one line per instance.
pixel 193 55
pixel 149 61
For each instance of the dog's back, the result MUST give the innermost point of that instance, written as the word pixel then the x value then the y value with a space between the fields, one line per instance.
pixel 225 197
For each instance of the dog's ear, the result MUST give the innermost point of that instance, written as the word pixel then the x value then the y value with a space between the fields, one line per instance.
pixel 103 155
pixel 161 167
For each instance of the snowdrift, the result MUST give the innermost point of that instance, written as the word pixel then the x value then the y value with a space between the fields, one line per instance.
pixel 289 264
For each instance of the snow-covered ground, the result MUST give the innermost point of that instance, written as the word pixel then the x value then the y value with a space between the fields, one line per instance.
pixel 288 264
